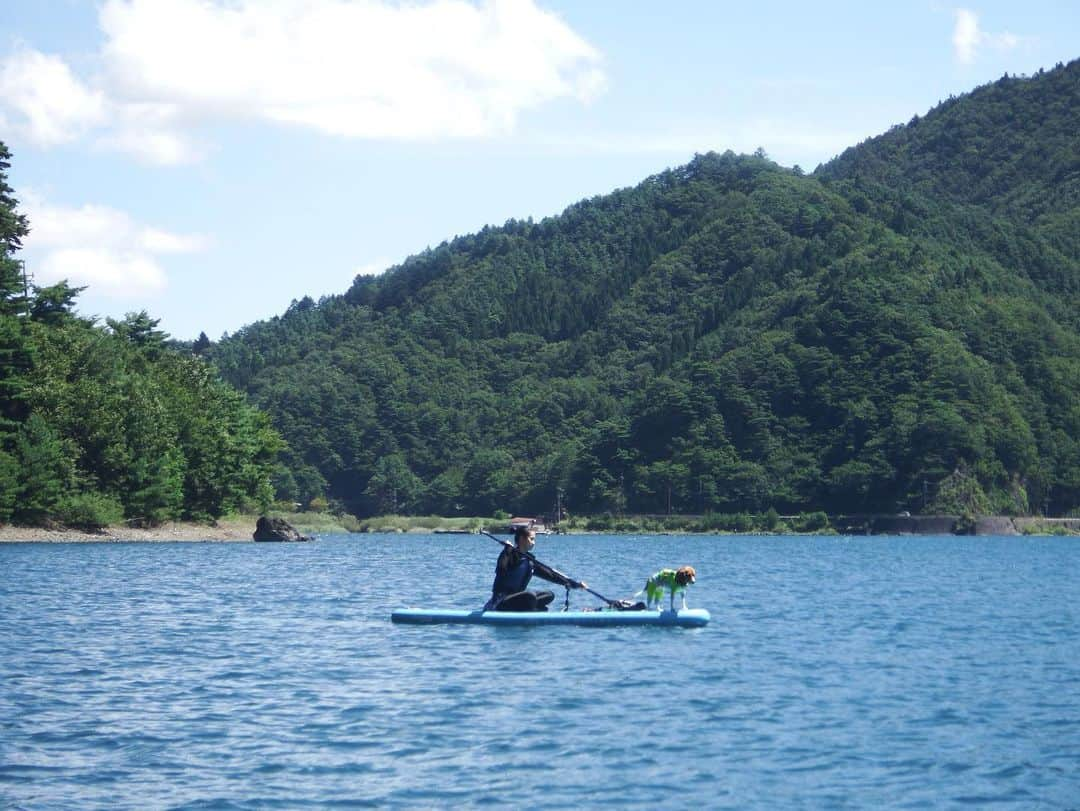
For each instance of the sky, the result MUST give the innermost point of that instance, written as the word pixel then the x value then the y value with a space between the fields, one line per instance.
pixel 211 161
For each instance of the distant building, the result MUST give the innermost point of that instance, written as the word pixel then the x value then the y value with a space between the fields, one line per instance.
pixel 535 524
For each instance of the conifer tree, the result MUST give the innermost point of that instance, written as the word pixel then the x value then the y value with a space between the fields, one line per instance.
pixel 45 471
pixel 13 227
pixel 14 351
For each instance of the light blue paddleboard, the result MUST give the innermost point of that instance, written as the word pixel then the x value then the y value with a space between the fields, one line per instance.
pixel 688 618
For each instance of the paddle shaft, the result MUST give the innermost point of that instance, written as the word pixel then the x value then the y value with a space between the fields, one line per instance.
pixel 572 581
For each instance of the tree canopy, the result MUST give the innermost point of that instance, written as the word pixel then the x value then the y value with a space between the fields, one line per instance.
pixel 102 424
pixel 729 335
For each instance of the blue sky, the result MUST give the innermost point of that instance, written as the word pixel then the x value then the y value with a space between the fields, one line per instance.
pixel 209 161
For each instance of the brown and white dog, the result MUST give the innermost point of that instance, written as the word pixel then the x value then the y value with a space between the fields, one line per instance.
pixel 673 581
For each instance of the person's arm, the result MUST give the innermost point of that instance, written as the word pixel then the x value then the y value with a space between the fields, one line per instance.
pixel 552 576
pixel 508 559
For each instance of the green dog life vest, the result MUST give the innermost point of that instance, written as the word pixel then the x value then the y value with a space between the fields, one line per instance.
pixel 661 581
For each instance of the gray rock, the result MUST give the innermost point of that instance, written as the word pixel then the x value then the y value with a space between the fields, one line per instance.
pixel 277 529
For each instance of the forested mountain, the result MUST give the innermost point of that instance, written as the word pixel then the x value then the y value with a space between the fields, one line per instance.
pixel 100 423
pixel 899 330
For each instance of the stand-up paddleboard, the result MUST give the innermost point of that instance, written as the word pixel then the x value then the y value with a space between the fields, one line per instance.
pixel 687 618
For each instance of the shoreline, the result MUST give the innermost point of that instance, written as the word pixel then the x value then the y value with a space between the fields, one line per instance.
pixel 239 529
pixel 223 531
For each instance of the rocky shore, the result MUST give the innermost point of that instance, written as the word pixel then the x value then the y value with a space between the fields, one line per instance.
pixel 221 532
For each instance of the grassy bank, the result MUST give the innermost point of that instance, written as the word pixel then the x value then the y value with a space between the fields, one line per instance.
pixel 768 522
pixel 427 523
pixel 317 523
pixel 713 523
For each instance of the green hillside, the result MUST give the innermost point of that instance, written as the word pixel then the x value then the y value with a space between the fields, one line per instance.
pixel 898 331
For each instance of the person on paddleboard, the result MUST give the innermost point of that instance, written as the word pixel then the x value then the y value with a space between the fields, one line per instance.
pixel 515 569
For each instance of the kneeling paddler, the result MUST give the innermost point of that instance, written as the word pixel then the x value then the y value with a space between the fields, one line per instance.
pixel 515 569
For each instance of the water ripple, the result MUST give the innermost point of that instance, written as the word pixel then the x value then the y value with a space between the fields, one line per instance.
pixel 839 673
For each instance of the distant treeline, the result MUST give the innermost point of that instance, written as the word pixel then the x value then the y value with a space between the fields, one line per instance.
pixel 898 331
pixel 103 423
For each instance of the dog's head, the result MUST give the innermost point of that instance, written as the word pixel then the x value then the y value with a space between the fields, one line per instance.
pixel 685 575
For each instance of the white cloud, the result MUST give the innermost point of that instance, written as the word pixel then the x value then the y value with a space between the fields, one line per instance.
pixel 362 69
pixel 351 68
pixel 150 133
pixel 154 147
pixel 44 101
pixel 154 240
pixel 968 37
pixel 114 275
pixel 100 247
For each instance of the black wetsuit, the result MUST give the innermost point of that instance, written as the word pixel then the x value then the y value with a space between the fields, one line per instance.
pixel 512 575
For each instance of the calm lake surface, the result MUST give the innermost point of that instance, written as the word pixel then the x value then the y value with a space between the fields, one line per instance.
pixel 837 672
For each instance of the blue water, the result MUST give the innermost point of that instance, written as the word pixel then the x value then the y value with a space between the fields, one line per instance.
pixel 837 672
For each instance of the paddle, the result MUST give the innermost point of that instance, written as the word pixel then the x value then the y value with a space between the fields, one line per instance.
pixel 620 604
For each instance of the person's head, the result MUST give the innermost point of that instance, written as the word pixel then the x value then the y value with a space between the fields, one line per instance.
pixel 524 539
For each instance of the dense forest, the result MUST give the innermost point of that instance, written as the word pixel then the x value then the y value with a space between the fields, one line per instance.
pixel 899 330
pixel 104 423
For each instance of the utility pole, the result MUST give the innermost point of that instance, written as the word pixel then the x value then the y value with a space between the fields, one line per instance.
pixel 26 288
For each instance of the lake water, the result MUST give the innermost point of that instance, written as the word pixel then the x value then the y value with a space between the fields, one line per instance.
pixel 837 672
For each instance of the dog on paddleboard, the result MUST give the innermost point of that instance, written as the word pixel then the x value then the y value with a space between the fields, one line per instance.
pixel 670 581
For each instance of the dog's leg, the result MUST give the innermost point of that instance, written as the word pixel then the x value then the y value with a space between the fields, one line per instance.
pixel 654 596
